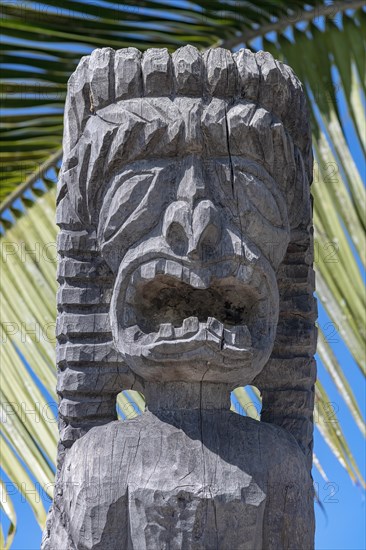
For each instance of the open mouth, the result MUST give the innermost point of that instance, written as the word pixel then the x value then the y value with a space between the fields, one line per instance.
pixel 166 302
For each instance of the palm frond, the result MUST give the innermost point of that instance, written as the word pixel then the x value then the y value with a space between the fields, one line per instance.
pixel 8 508
pixel 339 195
pixel 324 43
pixel 43 44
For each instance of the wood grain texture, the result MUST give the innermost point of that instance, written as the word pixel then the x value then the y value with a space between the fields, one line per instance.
pixel 185 271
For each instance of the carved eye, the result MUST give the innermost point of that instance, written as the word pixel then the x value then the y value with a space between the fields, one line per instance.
pixel 125 196
pixel 263 200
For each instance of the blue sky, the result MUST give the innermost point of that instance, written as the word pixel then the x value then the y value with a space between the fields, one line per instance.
pixel 340 520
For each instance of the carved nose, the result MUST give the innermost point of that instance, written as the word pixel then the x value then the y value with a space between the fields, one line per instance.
pixel 177 228
pixel 195 236
pixel 206 231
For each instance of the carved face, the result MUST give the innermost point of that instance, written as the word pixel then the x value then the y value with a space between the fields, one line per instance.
pixel 195 241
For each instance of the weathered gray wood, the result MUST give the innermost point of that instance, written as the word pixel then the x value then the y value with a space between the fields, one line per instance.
pixel 185 271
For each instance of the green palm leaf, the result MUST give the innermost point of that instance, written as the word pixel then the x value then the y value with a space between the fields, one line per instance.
pixel 42 45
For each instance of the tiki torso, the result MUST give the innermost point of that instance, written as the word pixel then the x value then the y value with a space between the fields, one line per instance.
pixel 146 484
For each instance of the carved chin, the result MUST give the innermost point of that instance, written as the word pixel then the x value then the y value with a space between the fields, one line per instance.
pixel 220 314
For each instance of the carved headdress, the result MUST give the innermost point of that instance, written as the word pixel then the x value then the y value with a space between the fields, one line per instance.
pixel 247 104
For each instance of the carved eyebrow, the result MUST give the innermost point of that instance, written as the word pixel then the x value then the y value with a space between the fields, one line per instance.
pixel 254 168
pixel 244 166
pixel 152 163
pixel 250 166
pixel 151 166
pixel 144 166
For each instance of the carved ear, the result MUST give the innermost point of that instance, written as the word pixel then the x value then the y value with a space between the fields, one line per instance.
pixel 90 371
pixel 287 381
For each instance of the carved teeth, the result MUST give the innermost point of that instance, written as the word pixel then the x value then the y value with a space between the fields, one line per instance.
pixel 190 325
pixel 186 275
pixel 178 332
pixel 197 281
pixel 214 326
pixel 165 332
pixel 174 269
pixel 199 278
pixel 229 337
pixel 148 270
pixel 242 336
pixel 238 336
pixel 161 266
